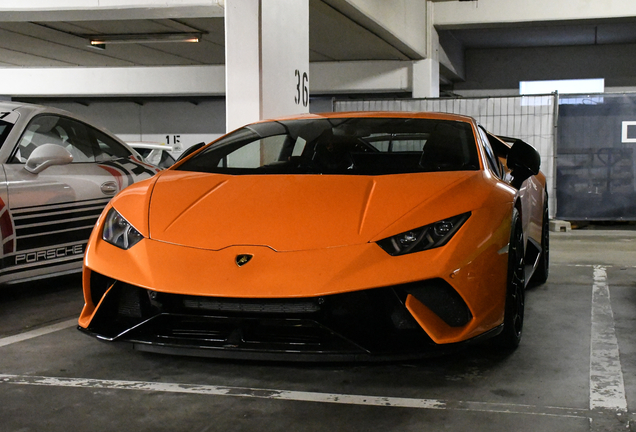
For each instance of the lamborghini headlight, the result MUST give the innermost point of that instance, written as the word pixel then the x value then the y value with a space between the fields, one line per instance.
pixel 427 237
pixel 119 232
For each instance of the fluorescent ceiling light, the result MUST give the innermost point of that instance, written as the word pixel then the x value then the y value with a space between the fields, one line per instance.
pixel 131 38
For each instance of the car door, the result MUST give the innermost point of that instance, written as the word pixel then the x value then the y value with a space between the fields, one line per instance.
pixel 53 211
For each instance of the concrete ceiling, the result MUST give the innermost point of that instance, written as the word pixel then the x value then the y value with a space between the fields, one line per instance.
pixel 332 36
pixel 601 32
pixel 62 44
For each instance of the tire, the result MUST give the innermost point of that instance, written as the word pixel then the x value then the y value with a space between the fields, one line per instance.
pixel 540 275
pixel 510 336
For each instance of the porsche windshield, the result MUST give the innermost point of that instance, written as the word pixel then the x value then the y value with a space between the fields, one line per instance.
pixel 355 146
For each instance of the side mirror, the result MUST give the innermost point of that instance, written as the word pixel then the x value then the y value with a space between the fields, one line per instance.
pixel 523 161
pixel 45 156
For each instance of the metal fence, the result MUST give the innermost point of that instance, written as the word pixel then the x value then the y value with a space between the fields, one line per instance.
pixel 530 118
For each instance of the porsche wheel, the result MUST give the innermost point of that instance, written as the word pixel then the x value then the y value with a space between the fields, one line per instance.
pixel 515 292
pixel 541 273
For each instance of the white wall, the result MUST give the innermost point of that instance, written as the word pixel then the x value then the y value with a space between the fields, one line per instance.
pixel 360 77
pixel 124 81
pixel 326 77
pixel 156 121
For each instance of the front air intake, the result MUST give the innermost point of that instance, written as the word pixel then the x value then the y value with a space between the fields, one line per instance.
pixel 99 285
pixel 442 299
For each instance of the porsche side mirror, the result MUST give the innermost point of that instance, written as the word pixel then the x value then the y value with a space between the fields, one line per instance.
pixel 45 156
pixel 523 161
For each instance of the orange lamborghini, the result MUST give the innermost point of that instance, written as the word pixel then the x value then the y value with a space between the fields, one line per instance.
pixel 345 236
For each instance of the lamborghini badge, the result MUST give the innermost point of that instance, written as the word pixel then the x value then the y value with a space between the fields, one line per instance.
pixel 243 259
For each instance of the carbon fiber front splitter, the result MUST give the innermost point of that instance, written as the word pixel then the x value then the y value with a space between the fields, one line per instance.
pixel 278 340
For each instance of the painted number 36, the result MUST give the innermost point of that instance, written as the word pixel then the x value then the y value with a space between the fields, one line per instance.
pixel 302 88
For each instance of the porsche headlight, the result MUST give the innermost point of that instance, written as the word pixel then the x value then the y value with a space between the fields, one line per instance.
pixel 118 232
pixel 427 237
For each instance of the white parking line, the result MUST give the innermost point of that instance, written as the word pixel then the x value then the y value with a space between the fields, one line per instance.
pixel 607 388
pixel 38 332
pixel 348 399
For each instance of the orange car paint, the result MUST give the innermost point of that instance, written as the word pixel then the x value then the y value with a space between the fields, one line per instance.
pixel 478 278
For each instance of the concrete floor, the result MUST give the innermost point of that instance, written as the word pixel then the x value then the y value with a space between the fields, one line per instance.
pixel 574 371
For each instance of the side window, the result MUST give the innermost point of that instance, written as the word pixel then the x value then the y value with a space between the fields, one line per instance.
pixel 77 140
pixel 299 146
pixel 256 154
pixel 42 130
pixel 493 162
pixel 408 145
pixel 85 143
pixel 107 148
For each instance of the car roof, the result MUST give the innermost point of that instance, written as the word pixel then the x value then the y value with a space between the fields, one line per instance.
pixel 379 114
pixel 32 109
pixel 8 105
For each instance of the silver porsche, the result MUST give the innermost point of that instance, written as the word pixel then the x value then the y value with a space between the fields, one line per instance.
pixel 58 172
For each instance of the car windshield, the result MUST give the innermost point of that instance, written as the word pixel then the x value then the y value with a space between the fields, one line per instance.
pixel 353 146
pixel 4 131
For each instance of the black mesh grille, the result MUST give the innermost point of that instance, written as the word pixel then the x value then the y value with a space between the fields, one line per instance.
pixel 130 302
pixel 253 306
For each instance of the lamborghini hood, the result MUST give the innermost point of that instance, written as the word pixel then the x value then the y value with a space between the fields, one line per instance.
pixel 286 212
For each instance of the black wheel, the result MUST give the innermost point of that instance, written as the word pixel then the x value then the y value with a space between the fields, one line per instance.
pixel 540 275
pixel 515 292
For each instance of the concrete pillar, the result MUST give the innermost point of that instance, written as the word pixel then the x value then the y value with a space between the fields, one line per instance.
pixel 426 78
pixel 425 73
pixel 242 62
pixel 266 59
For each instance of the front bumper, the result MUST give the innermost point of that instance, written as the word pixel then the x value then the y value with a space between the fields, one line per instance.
pixel 366 325
pixel 160 296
